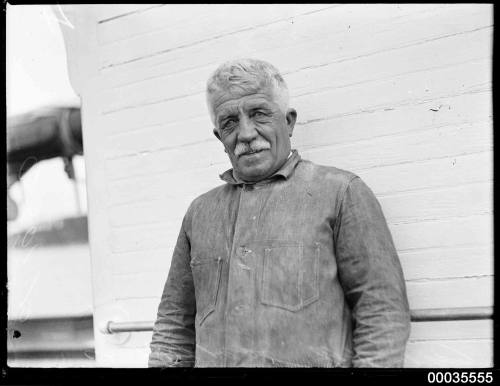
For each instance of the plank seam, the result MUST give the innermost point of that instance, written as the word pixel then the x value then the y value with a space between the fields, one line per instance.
pixel 436 188
pixel 423 160
pixel 447 278
pixel 102 21
pixel 421 340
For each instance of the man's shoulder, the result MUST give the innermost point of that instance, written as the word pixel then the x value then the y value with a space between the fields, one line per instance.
pixel 326 173
pixel 210 196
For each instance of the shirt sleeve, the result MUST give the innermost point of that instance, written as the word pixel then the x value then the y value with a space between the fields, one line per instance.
pixel 173 342
pixel 371 276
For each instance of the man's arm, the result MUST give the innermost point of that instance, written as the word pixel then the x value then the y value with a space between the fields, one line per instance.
pixel 372 279
pixel 173 343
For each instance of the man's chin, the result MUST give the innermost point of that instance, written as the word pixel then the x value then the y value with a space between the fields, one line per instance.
pixel 253 174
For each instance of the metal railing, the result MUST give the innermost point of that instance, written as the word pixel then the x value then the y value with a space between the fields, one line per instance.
pixel 444 314
pixel 116 327
pixel 423 315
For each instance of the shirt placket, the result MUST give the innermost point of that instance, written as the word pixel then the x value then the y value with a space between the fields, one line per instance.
pixel 241 299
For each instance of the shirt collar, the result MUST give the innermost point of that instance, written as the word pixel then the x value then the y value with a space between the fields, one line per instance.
pixel 285 171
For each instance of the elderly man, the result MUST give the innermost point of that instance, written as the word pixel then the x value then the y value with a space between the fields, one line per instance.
pixel 288 263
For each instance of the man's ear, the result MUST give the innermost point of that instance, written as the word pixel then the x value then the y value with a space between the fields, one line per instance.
pixel 291 118
pixel 216 133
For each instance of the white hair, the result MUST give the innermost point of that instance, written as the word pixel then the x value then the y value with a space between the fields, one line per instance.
pixel 247 75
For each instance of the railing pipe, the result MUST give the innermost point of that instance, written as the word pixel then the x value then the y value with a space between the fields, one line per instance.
pixel 423 315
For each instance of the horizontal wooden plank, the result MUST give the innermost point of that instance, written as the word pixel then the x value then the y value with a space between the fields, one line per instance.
pixel 455 110
pixel 159 137
pixel 460 109
pixel 155 260
pixel 445 293
pixel 453 354
pixel 461 201
pixel 451 330
pixel 385 64
pixel 163 211
pixel 433 263
pixel 454 232
pixel 143 237
pixel 457 232
pixel 168 160
pixel 419 264
pixel 128 310
pixel 180 184
pixel 152 284
pixel 418 146
pixel 382 180
pixel 446 171
pixel 405 147
pixel 166 112
pixel 438 203
pixel 451 262
pixel 451 293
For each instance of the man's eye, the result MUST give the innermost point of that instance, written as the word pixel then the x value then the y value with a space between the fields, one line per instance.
pixel 261 115
pixel 229 124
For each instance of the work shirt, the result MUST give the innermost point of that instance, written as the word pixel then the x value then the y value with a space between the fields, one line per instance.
pixel 298 270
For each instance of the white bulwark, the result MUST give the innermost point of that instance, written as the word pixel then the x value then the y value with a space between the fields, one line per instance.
pixel 399 94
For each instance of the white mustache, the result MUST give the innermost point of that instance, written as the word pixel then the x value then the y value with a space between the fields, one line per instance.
pixel 242 148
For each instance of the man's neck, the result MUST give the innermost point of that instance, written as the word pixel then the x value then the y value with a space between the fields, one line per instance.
pixel 235 176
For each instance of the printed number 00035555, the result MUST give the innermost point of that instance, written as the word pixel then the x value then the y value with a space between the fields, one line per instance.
pixel 460 377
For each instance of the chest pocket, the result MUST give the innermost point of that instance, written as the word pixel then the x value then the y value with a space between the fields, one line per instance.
pixel 290 275
pixel 206 276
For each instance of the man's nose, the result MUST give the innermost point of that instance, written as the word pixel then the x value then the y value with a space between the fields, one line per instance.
pixel 247 131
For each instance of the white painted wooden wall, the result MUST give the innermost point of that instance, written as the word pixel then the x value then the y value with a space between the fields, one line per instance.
pixel 399 94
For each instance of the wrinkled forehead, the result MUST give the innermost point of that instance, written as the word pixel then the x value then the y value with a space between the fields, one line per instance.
pixel 224 98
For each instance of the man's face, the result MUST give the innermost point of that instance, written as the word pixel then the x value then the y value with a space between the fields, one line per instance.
pixel 255 132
